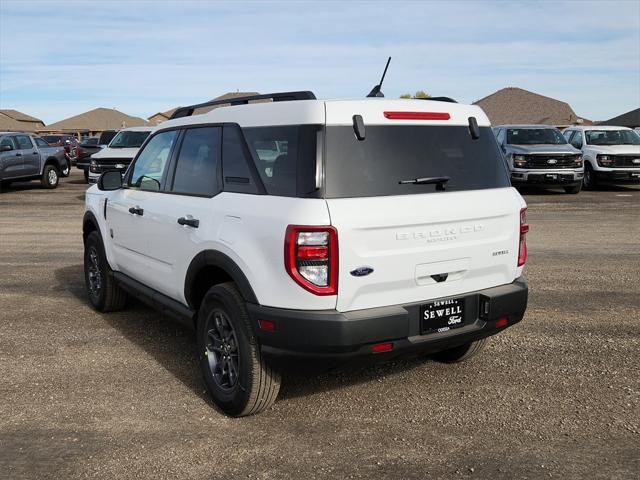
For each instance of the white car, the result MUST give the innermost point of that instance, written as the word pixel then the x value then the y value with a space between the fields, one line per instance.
pixel 380 228
pixel 118 155
pixel 610 154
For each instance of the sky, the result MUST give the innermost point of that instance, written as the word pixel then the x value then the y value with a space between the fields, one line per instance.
pixel 62 58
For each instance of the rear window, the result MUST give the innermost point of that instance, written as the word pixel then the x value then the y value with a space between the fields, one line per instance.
pixel 390 154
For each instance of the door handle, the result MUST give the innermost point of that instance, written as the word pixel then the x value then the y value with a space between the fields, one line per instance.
pixel 192 222
pixel 18 154
pixel 136 211
pixel 34 153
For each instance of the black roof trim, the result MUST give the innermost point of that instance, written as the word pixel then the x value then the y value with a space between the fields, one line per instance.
pixel 276 97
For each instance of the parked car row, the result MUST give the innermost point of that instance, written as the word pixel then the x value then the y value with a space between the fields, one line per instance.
pixel 542 156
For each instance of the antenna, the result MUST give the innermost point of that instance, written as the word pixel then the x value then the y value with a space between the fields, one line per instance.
pixel 376 91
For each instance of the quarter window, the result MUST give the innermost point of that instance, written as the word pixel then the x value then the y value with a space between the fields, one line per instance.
pixel 24 142
pixel 152 161
pixel 198 162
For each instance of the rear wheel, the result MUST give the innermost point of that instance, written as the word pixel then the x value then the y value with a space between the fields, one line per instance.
pixel 104 294
pixel 573 190
pixel 50 177
pixel 236 375
pixel 589 180
pixel 461 353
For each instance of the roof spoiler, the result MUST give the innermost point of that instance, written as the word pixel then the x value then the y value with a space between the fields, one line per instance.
pixel 275 97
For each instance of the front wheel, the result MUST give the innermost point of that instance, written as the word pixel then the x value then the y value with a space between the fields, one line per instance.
pixel 66 169
pixel 461 353
pixel 589 179
pixel 104 294
pixel 50 177
pixel 236 375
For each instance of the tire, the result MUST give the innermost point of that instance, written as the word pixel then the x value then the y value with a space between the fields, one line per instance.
pixel 237 377
pixel 104 294
pixel 573 190
pixel 86 175
pixel 50 176
pixel 461 353
pixel 4 184
pixel 589 179
pixel 66 170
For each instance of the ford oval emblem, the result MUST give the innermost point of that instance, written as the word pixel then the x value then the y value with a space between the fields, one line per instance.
pixel 552 161
pixel 361 271
pixel 636 160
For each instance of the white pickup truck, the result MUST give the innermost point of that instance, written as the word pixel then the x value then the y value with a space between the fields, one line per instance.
pixel 27 157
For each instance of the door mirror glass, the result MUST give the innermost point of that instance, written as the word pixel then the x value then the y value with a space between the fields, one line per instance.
pixel 5 147
pixel 110 180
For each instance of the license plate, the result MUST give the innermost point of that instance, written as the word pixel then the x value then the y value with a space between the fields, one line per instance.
pixel 442 315
pixel 552 176
pixel 637 175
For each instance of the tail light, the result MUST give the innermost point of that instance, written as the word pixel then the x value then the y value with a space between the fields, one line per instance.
pixel 524 228
pixel 311 258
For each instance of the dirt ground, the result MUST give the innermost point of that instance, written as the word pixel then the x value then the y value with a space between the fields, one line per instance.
pixel 85 395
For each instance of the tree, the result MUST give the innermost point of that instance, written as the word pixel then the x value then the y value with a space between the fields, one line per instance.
pixel 418 94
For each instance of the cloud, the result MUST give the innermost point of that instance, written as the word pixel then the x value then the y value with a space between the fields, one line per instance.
pixel 142 57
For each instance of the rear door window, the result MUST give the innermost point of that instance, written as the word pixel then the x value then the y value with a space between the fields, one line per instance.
pixel 391 154
pixel 198 162
pixel 40 142
pixel 24 142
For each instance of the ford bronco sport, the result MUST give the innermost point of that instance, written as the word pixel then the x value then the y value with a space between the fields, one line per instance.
pixel 304 228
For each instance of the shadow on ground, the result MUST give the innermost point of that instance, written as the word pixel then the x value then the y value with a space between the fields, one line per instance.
pixel 174 347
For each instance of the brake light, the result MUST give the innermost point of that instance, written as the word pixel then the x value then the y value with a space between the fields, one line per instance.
pixel 524 228
pixel 417 115
pixel 311 258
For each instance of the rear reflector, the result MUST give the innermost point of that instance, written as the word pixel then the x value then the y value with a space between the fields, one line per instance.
pixel 267 325
pixel 382 347
pixel 502 322
pixel 417 115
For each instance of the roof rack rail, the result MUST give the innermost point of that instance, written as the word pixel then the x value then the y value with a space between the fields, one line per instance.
pixel 276 97
pixel 442 99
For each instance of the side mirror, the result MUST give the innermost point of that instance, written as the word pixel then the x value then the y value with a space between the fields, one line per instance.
pixel 5 148
pixel 110 180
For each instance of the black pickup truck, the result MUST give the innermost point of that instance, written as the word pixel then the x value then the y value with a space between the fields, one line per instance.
pixel 89 146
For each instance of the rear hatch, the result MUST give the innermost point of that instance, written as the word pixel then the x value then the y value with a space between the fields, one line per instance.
pixel 411 242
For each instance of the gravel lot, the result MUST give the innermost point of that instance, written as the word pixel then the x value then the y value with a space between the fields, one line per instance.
pixel 120 395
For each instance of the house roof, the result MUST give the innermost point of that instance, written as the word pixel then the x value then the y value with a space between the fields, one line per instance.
pixel 14 120
pixel 96 120
pixel 630 119
pixel 517 106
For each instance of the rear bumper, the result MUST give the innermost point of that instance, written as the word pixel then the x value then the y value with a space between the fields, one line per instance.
pixel 336 335
pixel 612 176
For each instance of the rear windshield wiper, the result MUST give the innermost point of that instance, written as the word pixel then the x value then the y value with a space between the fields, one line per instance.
pixel 438 181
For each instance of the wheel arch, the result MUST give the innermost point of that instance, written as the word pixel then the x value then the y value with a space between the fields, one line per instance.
pixel 89 224
pixel 209 268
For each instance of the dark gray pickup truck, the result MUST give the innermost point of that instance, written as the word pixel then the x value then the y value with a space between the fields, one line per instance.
pixel 539 156
pixel 24 156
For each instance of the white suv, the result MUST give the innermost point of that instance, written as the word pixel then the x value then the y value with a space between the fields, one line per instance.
pixel 119 153
pixel 303 228
pixel 610 154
